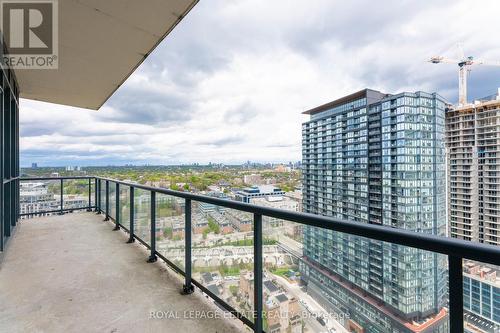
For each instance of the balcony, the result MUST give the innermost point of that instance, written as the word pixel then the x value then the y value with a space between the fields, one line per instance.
pixel 77 260
pixel 68 272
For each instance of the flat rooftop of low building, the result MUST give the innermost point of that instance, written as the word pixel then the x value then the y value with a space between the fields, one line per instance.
pixel 281 298
pixel 262 189
pixel 270 286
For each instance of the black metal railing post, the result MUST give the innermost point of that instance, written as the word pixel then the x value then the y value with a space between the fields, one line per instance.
pixel 257 272
pixel 131 238
pixel 107 201
pixel 117 207
pixel 89 209
pixel 456 293
pixel 98 200
pixel 188 288
pixel 95 195
pixel 61 212
pixel 152 256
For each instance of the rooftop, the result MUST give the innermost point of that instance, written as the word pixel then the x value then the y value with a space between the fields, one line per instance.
pixel 281 298
pixel 261 189
pixel 483 272
pixel 352 97
pixel 270 286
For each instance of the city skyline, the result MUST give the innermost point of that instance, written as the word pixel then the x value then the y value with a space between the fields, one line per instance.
pixel 211 92
pixel 35 164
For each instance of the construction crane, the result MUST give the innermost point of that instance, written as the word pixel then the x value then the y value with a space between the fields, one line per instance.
pixel 464 67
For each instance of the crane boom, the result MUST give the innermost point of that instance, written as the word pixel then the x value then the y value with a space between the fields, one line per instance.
pixel 464 67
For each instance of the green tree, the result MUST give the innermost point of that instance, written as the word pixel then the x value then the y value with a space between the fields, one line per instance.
pixel 233 290
pixel 167 232
pixel 213 225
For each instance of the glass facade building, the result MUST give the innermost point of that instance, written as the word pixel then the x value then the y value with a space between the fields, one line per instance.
pixel 376 158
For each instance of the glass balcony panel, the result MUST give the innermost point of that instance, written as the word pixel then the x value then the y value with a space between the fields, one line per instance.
pixel 222 254
pixel 112 200
pixel 39 196
pixel 125 206
pixel 75 193
pixel 142 218
pixel 282 295
pixel 170 237
pixel 92 192
pixel 102 198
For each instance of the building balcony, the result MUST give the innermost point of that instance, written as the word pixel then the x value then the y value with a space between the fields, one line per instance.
pixel 130 274
pixel 64 273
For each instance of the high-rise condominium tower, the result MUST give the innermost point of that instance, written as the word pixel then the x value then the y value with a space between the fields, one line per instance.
pixel 473 151
pixel 376 158
pixel 473 163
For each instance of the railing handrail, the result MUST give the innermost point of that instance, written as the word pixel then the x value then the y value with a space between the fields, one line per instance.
pixel 433 243
pixel 60 179
pixel 56 178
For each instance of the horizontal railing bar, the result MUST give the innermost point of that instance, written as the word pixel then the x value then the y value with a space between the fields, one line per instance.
pixel 55 178
pixel 142 242
pixel 439 244
pixel 124 228
pixel 56 211
pixel 169 263
pixel 10 180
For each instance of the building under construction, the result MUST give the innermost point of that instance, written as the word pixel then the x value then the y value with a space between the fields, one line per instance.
pixel 473 150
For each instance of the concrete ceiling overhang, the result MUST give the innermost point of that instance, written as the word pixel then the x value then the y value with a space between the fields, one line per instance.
pixel 101 43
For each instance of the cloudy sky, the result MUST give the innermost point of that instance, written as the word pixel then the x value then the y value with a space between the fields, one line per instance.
pixel 230 82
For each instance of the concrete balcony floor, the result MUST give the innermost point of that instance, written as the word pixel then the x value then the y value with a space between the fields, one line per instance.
pixel 72 273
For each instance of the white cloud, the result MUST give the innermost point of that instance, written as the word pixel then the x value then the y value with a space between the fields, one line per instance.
pixel 230 83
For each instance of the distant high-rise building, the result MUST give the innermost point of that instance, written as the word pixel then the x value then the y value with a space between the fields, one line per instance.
pixel 253 179
pixel 34 165
pixel 473 154
pixel 376 158
pixel 73 168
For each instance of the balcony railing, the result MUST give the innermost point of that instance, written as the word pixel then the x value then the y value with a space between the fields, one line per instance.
pixel 455 249
pixel 61 207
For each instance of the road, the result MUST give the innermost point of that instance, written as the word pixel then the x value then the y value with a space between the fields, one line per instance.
pixel 290 245
pixel 313 307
